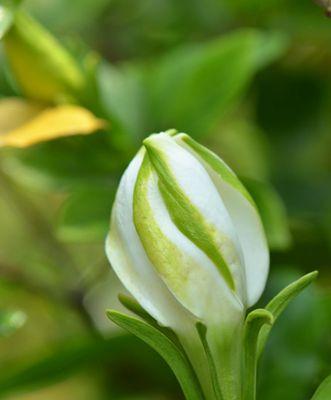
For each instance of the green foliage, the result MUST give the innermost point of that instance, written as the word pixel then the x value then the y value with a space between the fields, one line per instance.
pixel 193 87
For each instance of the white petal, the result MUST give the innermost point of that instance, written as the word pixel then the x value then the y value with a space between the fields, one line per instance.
pixel 252 239
pixel 248 226
pixel 197 284
pixel 129 260
pixel 197 185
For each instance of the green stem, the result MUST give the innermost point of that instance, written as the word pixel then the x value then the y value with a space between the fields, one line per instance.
pixel 191 342
pixel 250 377
pixel 226 347
pixel 202 330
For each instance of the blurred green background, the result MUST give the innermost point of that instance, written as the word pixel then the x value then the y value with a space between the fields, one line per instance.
pixel 252 80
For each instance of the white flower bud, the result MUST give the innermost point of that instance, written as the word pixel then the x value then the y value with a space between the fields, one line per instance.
pixel 185 232
pixel 187 241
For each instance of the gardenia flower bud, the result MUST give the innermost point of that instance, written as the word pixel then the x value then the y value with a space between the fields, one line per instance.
pixel 187 241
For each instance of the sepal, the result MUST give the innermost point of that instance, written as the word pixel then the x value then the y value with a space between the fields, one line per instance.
pixel 167 348
pixel 278 304
pixel 132 305
pixel 202 332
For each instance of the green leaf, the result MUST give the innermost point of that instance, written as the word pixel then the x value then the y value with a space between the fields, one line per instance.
pixel 123 96
pixel 73 163
pixel 132 305
pixel 253 325
pixel 202 331
pixel 241 144
pixel 324 390
pixel 10 321
pixel 193 86
pixel 273 213
pixel 172 354
pixel 278 304
pixel 85 215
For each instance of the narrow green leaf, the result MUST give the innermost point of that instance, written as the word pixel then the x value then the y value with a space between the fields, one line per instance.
pixel 254 323
pixel 132 305
pixel 324 390
pixel 202 331
pixel 278 304
pixel 172 354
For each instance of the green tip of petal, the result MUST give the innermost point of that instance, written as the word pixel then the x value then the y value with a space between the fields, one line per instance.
pixel 184 136
pixel 171 132
pixel 148 142
pixel 152 146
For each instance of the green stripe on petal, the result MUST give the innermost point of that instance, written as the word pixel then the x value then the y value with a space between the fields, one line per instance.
pixel 157 246
pixel 171 132
pixel 218 165
pixel 186 217
pixel 244 215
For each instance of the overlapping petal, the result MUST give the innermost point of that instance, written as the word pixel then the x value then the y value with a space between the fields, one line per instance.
pixel 185 234
pixel 129 259
pixel 243 213
pixel 183 266
pixel 196 208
